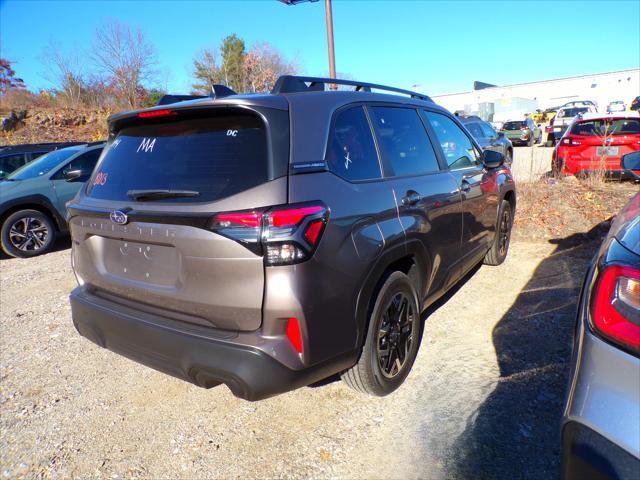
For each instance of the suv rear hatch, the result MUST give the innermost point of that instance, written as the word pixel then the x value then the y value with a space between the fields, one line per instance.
pixel 142 232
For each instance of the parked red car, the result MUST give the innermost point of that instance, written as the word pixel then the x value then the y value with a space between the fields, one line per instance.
pixel 597 142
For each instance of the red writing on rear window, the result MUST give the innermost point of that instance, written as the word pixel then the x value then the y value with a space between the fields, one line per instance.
pixel 101 179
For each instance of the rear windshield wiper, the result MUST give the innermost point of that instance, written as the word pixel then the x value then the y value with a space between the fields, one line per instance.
pixel 158 194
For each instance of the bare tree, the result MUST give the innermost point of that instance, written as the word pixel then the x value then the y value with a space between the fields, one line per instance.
pixel 263 64
pixel 126 57
pixel 65 73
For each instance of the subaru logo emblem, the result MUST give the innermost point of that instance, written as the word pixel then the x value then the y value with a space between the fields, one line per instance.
pixel 118 217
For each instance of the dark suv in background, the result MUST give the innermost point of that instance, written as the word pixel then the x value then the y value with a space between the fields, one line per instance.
pixel 270 241
pixel 13 157
pixel 487 137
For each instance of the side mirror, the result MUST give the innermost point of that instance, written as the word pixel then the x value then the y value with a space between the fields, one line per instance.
pixel 74 175
pixel 492 159
pixel 631 161
pixel 500 134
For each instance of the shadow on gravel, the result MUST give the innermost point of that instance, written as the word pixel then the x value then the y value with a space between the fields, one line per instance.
pixel 516 432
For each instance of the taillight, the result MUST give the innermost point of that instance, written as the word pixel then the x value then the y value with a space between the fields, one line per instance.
pixel 570 141
pixel 616 306
pixel 284 235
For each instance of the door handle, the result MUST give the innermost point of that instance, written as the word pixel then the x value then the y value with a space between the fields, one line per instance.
pixel 465 186
pixel 411 198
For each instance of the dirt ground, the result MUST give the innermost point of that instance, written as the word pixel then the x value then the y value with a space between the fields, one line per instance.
pixel 484 398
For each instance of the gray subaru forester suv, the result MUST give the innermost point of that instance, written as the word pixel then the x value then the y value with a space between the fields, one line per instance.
pixel 270 241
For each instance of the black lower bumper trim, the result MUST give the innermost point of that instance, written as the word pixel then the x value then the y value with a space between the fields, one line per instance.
pixel 588 455
pixel 205 360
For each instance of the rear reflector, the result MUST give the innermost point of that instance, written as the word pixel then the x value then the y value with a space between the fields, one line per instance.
pixel 616 306
pixel 314 229
pixel 294 335
pixel 165 112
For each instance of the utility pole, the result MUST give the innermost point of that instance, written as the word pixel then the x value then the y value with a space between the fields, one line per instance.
pixel 332 54
pixel 329 17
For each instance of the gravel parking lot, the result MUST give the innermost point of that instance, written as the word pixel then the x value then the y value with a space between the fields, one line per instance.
pixel 483 400
pixel 531 163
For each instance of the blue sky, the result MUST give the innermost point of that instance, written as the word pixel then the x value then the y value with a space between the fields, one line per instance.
pixel 440 46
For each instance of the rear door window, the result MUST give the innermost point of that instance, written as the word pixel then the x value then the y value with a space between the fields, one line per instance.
pixel 404 144
pixel 214 156
pixel 34 155
pixel 10 163
pixel 351 152
pixel 456 145
pixel 85 162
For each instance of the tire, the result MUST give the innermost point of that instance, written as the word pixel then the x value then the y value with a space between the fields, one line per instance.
pixel 35 225
pixel 378 374
pixel 500 247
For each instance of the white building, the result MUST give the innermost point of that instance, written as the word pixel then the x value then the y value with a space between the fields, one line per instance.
pixel 500 103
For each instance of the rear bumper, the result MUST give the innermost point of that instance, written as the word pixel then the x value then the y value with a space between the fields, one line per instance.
pixel 203 356
pixel 587 454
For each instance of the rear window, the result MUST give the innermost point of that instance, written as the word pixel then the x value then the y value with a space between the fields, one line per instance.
pixel 214 156
pixel 514 125
pixel 601 128
pixel 572 112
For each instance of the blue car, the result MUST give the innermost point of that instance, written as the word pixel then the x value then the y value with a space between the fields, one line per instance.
pixel 33 198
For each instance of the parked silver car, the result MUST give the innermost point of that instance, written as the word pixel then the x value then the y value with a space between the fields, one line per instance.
pixel 601 424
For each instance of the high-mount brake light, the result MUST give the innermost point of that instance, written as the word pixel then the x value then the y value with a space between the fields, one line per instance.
pixel 284 235
pixel 165 112
pixel 616 306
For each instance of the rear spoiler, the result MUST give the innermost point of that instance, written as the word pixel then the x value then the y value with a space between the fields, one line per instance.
pixel 217 91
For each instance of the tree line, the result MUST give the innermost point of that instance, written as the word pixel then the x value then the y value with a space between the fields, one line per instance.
pixel 120 71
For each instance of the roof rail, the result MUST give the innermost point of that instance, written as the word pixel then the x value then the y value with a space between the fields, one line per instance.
pixel 296 84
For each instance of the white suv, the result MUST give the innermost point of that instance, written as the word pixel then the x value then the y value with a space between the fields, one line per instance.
pixel 563 119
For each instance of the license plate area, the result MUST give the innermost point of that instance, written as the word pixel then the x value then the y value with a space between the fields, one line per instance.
pixel 607 151
pixel 141 262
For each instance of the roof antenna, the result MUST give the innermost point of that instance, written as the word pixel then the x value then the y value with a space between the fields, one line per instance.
pixel 221 91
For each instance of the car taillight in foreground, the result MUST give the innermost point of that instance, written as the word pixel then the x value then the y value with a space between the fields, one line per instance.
pixel 284 235
pixel 616 306
pixel 570 141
